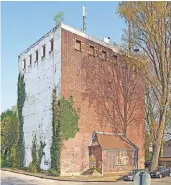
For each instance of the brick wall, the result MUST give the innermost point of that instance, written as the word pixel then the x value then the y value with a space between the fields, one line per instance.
pixel 110 165
pixel 93 84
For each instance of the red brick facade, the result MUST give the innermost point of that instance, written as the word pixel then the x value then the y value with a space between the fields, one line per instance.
pixel 109 163
pixel 89 78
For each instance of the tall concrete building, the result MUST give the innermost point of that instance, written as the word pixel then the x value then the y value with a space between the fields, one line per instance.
pixel 109 93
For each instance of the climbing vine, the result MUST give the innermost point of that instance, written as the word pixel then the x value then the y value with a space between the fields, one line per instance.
pixel 64 126
pixel 56 137
pixel 33 166
pixel 20 104
pixel 69 118
pixel 37 154
pixel 40 153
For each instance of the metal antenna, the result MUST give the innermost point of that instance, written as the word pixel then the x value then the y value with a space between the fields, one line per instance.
pixel 84 19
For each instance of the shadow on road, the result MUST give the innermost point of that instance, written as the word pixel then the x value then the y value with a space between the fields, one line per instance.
pixel 14 181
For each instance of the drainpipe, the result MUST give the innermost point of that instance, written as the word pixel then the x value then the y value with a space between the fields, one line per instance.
pixel 137 158
pixel 102 167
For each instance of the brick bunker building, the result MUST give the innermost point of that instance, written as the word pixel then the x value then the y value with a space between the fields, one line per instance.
pixel 109 93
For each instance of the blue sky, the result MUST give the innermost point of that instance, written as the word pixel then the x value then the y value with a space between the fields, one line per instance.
pixel 25 22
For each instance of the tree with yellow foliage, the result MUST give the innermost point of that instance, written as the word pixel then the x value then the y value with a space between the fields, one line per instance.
pixel 151 33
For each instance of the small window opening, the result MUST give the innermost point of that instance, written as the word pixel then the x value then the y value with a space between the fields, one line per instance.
pixel 44 51
pixel 115 59
pixel 92 51
pixel 24 61
pixel 104 55
pixel 51 45
pixel 30 59
pixel 78 45
pixel 36 55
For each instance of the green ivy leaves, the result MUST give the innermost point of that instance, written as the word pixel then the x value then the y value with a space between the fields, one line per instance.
pixel 69 118
pixel 64 125
pixel 20 104
pixel 37 154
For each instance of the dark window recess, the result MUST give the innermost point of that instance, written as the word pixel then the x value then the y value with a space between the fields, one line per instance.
pixel 30 59
pixel 92 51
pixel 37 55
pixel 51 45
pixel 104 55
pixel 115 59
pixel 44 51
pixel 24 61
pixel 78 45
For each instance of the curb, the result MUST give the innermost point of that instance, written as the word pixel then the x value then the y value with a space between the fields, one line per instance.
pixel 50 177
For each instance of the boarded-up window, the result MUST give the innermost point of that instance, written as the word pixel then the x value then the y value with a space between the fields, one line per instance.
pixel 104 55
pixel 51 45
pixel 78 45
pixel 36 55
pixel 44 50
pixel 92 51
pixel 121 157
pixel 30 57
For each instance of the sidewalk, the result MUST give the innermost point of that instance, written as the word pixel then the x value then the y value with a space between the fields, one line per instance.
pixel 105 178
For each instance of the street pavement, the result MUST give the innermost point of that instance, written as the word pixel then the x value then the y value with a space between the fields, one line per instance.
pixel 9 178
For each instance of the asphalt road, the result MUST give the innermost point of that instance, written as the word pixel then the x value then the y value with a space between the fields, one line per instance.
pixel 163 181
pixel 9 178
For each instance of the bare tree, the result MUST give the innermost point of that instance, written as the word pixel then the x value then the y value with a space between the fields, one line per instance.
pixel 115 88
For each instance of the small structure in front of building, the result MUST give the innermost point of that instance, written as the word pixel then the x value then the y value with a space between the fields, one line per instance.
pixel 165 160
pixel 110 152
pixel 167 149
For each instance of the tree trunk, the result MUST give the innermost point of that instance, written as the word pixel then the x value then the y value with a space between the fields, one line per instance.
pixel 155 156
pixel 161 149
pixel 157 144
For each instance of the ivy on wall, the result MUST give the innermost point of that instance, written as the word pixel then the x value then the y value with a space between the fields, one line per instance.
pixel 33 166
pixel 64 125
pixel 40 153
pixel 20 104
pixel 69 118
pixel 56 137
pixel 37 154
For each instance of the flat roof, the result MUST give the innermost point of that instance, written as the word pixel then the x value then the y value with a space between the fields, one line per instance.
pixel 75 31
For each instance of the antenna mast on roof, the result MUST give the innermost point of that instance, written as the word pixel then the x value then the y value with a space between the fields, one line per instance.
pixel 84 19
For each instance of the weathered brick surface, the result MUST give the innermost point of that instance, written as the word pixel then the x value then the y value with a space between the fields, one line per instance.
pixel 110 165
pixel 89 79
